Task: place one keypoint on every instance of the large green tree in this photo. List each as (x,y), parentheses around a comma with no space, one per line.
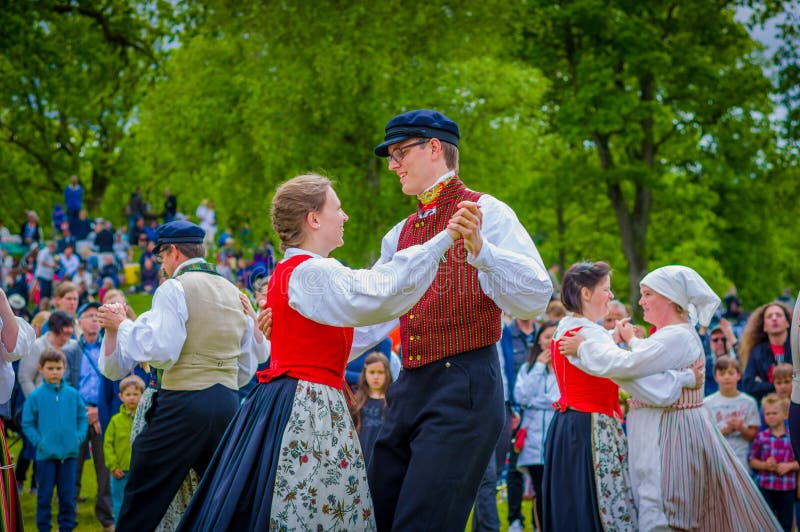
(71,75)
(651,88)
(261,92)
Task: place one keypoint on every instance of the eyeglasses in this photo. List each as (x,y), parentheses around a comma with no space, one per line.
(400,153)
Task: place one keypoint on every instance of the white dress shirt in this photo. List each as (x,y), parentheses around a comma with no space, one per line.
(324,290)
(157,336)
(25,338)
(510,270)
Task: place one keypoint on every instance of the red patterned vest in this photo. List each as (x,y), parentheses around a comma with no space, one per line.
(301,348)
(454,315)
(581,391)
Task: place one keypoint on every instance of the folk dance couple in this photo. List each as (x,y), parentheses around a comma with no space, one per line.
(677,469)
(290,458)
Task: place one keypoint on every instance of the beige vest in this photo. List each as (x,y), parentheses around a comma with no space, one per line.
(214,333)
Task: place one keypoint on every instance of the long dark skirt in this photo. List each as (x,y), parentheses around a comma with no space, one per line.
(236,490)
(586,484)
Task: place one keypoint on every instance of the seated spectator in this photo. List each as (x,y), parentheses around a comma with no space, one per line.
(150,230)
(30,232)
(105,287)
(122,250)
(734,314)
(148,254)
(68,263)
(103,237)
(82,227)
(148,280)
(59,217)
(138,233)
(5,234)
(243,274)
(110,270)
(228,251)
(66,239)
(91,260)
(224,270)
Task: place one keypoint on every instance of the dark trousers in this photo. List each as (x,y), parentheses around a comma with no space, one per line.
(58,474)
(440,429)
(183,431)
(515,485)
(537,473)
(782,505)
(45,287)
(102,506)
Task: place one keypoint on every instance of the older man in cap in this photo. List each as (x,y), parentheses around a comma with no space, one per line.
(200,332)
(446,410)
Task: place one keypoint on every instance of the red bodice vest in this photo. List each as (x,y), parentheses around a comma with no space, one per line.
(581,391)
(302,348)
(454,315)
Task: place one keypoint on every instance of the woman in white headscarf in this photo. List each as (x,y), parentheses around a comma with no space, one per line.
(683,473)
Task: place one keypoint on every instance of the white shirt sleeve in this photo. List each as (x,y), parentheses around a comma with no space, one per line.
(25,338)
(6,381)
(661,389)
(661,352)
(253,352)
(369,336)
(327,292)
(510,269)
(156,336)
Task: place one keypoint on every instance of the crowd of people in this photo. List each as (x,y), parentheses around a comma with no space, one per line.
(393,398)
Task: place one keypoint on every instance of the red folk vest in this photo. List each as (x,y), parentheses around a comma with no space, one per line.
(302,348)
(454,315)
(581,391)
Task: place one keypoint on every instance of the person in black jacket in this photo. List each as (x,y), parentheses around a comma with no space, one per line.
(765,343)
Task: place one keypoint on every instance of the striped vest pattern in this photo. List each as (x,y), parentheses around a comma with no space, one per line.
(454,315)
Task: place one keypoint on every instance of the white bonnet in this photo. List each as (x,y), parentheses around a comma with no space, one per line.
(685,287)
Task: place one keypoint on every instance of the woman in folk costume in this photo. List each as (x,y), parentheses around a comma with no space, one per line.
(680,464)
(585,451)
(291,459)
(16,339)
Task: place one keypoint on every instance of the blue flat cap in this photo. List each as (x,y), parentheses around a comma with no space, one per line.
(421,123)
(86,306)
(178,232)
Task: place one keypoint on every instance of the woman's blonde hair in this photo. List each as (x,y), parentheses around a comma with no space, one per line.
(292,202)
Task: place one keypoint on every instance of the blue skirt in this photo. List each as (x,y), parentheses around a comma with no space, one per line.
(236,490)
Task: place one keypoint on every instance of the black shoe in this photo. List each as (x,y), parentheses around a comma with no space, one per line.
(81,499)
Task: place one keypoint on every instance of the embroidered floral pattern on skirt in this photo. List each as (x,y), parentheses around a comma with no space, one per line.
(614,495)
(321,479)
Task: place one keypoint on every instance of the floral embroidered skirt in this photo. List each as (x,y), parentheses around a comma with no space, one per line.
(290,460)
(586,484)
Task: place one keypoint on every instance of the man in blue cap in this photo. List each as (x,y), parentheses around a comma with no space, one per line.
(200,332)
(446,411)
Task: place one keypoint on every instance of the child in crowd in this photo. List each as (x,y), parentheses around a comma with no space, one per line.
(735,413)
(370,402)
(117,440)
(782,379)
(535,390)
(54,420)
(772,458)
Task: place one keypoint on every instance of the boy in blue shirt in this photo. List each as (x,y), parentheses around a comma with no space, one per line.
(54,420)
